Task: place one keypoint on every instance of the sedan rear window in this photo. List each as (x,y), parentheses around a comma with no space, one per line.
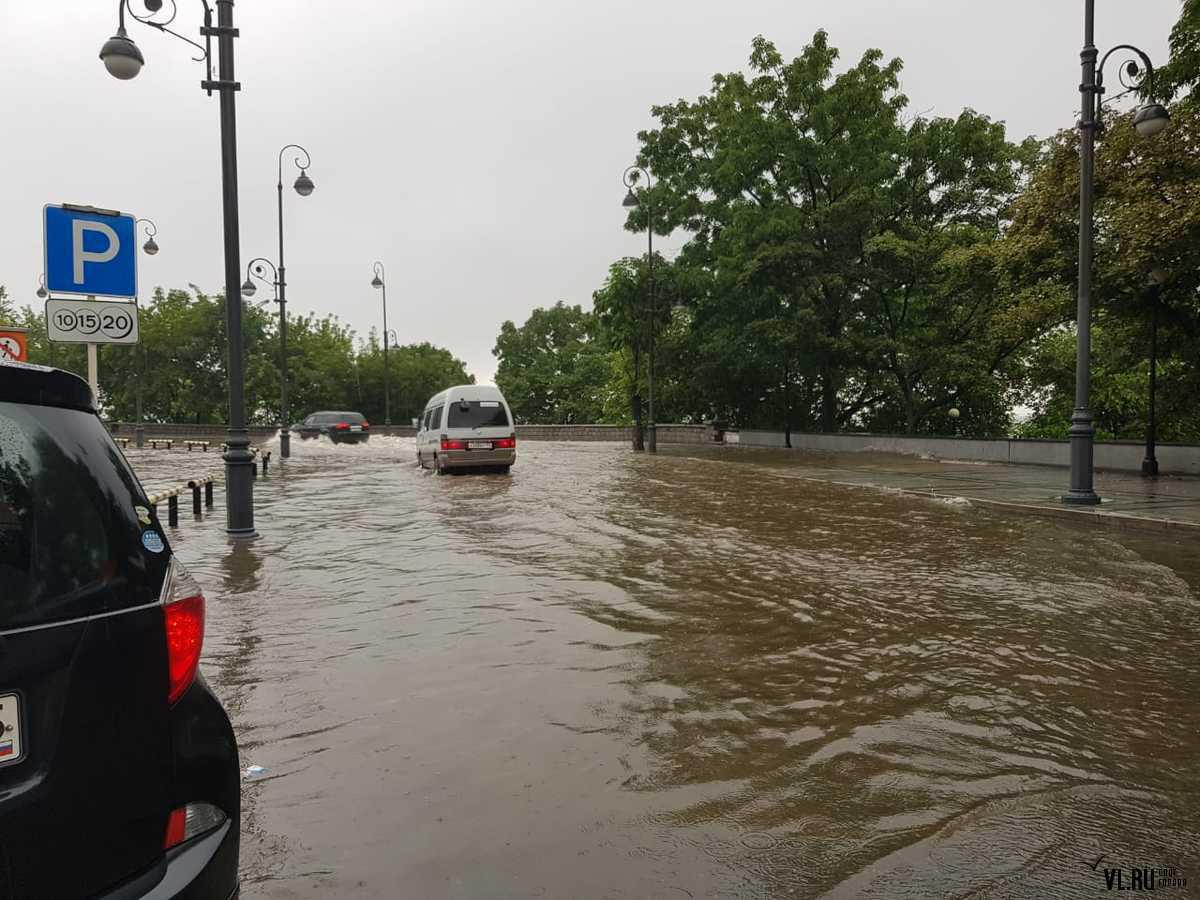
(70,539)
(332,418)
(478,414)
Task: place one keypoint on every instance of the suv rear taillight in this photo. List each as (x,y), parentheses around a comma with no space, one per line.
(183,618)
(508,443)
(191,821)
(452,444)
(342,426)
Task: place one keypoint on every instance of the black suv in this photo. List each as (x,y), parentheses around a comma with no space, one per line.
(119,770)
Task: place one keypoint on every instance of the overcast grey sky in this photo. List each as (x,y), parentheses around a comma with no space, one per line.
(476,148)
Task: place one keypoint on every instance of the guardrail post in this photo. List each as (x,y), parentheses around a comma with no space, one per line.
(208,493)
(196,499)
(173,510)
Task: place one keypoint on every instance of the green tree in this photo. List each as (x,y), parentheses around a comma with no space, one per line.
(554,369)
(845,263)
(417,372)
(1181,74)
(180,365)
(1147,218)
(779,176)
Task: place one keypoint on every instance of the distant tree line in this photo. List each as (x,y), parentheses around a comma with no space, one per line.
(851,266)
(181,362)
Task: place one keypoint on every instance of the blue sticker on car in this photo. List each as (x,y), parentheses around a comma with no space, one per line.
(153,541)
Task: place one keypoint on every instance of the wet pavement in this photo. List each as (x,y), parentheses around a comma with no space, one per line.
(700,674)
(1127,499)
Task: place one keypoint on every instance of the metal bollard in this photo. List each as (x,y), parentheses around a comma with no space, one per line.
(196,499)
(208,493)
(173,510)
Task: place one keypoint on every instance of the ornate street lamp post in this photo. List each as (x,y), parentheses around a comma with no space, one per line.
(124,60)
(257,268)
(1149,120)
(1154,288)
(380,283)
(303,186)
(139,430)
(632,201)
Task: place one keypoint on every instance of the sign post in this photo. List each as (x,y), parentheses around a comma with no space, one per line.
(93,252)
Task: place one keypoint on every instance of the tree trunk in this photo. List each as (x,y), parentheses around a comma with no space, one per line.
(828,400)
(910,407)
(787,409)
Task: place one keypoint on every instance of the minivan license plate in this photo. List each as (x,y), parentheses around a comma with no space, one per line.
(11,746)
(356,428)
(479,445)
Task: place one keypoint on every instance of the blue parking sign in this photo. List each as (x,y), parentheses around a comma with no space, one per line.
(90,251)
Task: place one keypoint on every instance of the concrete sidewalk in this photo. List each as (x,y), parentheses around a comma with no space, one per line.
(1129,501)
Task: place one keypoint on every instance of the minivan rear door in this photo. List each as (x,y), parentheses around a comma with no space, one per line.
(83,669)
(478,422)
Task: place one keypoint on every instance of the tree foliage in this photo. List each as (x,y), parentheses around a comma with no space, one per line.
(180,365)
(554,368)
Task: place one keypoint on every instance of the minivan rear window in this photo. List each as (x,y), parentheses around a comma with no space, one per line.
(478,414)
(70,538)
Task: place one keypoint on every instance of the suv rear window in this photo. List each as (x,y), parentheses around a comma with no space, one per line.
(70,539)
(478,414)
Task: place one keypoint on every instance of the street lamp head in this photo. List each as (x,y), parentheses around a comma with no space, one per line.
(248,288)
(376,282)
(304,185)
(631,199)
(1151,119)
(151,246)
(121,56)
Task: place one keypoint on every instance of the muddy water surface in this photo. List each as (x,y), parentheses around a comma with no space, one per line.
(691,675)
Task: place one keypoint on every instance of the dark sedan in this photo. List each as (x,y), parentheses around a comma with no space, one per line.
(339,427)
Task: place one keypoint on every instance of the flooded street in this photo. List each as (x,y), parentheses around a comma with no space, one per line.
(696,675)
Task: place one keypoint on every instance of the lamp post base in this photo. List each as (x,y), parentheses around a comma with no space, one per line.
(285,442)
(1080,492)
(651,438)
(1149,467)
(239,485)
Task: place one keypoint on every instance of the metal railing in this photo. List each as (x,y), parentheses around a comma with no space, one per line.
(171,496)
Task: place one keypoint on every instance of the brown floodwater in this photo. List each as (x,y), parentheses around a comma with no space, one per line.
(691,675)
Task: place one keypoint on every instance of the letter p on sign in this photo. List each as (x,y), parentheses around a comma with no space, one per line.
(80,255)
(90,251)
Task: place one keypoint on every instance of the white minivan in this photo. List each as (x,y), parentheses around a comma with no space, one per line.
(468,426)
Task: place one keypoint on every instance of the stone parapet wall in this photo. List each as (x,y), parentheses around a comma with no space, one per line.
(1117,456)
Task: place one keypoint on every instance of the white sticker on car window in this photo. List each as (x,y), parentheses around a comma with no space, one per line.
(489,402)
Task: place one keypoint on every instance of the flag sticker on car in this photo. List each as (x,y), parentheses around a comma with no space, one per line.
(10,729)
